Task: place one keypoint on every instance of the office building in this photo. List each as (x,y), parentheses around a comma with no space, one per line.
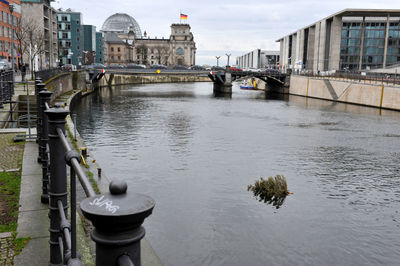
(350,40)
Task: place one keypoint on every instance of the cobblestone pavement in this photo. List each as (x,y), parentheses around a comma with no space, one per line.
(10,153)
(6,253)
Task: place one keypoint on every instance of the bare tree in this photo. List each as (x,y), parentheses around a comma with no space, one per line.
(31,40)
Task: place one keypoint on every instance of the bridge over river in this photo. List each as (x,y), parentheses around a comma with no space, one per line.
(222,79)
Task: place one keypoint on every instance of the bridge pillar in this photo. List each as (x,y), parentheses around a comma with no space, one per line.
(226,86)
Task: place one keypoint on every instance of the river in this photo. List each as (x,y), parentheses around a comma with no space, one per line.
(195,154)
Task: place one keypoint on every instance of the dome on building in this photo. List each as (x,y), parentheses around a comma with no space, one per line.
(121,23)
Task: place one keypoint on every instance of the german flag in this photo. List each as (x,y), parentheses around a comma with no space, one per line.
(183,16)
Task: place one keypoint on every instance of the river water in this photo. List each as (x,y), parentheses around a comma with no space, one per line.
(195,154)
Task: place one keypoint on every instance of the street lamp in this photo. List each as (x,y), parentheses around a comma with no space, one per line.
(218,57)
(11,9)
(228,55)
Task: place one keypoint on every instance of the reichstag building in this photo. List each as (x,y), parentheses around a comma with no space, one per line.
(125,43)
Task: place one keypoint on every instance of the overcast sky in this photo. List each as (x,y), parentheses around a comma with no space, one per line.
(221,26)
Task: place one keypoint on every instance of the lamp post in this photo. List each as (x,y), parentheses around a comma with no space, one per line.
(218,57)
(228,55)
(11,9)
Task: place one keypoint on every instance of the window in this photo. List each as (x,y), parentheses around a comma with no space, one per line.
(77,30)
(112,57)
(179,51)
(119,49)
(119,57)
(112,49)
(77,47)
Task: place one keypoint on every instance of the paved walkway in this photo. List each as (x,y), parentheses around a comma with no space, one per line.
(33,221)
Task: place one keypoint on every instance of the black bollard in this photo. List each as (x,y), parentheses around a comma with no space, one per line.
(117,217)
(40,113)
(58,181)
(45,97)
(2,89)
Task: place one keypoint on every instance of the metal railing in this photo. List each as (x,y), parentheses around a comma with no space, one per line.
(49,73)
(117,215)
(6,86)
(359,76)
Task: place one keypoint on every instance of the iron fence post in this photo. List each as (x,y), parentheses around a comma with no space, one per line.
(37,81)
(2,88)
(39,87)
(45,97)
(58,181)
(117,217)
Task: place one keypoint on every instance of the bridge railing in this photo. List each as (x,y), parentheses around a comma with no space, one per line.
(360,76)
(116,215)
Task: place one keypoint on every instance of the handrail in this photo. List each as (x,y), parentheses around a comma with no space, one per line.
(55,153)
(76,165)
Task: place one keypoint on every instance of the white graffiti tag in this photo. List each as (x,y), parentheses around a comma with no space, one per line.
(105,202)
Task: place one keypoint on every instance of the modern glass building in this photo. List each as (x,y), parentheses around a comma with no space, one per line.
(352,39)
(99,48)
(70,37)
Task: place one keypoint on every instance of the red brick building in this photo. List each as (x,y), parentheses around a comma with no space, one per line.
(8,26)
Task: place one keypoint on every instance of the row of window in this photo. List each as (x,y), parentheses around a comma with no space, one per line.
(6,46)
(370,33)
(179,51)
(367,42)
(6,32)
(8,18)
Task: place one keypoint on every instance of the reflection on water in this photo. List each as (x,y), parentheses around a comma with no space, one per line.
(195,154)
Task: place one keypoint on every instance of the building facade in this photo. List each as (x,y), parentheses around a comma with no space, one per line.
(99,48)
(126,44)
(352,39)
(44,17)
(259,59)
(70,37)
(8,27)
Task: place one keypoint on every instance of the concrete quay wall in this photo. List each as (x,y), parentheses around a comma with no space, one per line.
(386,96)
(125,79)
(66,82)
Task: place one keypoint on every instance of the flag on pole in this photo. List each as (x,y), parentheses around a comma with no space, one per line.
(183,16)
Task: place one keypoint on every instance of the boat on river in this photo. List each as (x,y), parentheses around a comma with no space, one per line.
(246,85)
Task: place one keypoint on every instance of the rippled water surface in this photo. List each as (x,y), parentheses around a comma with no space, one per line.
(195,154)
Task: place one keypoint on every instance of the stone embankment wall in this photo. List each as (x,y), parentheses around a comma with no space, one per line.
(373,94)
(66,82)
(125,79)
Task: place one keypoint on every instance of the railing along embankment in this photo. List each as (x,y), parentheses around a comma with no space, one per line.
(117,215)
(375,91)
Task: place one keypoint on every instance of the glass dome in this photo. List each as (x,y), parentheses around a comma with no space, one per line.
(121,23)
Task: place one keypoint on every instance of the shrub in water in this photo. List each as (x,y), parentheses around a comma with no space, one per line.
(272,190)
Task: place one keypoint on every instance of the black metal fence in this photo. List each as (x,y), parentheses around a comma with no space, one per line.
(6,86)
(360,76)
(49,73)
(117,216)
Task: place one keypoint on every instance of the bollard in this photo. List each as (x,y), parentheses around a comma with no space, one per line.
(99,172)
(58,181)
(40,113)
(45,97)
(117,217)
(37,81)
(2,88)
(84,152)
